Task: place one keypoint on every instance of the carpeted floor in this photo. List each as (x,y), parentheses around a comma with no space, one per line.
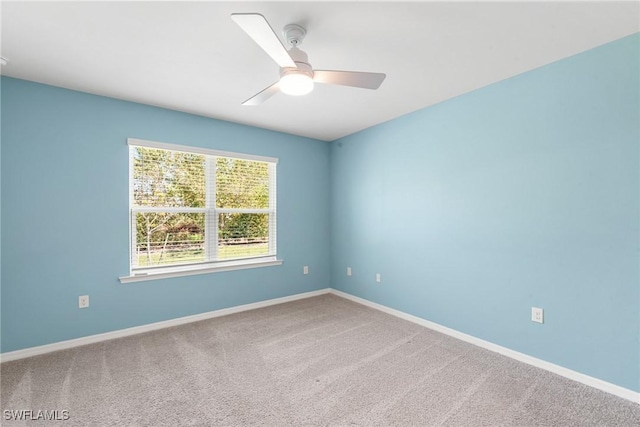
(322,361)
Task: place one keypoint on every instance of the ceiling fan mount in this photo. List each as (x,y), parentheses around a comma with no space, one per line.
(294,34)
(297,77)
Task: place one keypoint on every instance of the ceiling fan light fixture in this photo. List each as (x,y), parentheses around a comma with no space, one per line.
(296,83)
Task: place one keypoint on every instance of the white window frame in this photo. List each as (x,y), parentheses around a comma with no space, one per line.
(137,274)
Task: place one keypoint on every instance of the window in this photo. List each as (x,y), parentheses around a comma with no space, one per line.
(193,209)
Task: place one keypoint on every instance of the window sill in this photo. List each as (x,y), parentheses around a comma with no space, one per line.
(200,269)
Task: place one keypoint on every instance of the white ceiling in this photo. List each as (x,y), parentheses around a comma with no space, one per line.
(190,56)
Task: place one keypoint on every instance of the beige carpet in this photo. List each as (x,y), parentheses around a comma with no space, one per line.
(323,361)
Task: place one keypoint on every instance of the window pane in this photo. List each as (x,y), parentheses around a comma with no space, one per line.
(163,178)
(169,238)
(242,184)
(243,235)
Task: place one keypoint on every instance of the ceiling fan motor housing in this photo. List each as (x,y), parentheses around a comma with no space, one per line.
(302,63)
(294,34)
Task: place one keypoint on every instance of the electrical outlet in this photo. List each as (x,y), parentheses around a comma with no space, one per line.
(537,315)
(378,277)
(305,269)
(83,301)
(348,271)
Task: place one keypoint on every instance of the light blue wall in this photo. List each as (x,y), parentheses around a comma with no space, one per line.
(65,224)
(523,193)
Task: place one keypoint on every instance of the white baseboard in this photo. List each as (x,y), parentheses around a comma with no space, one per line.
(63,345)
(539,363)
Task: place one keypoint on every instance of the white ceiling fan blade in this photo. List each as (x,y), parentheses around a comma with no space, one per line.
(257,27)
(260,97)
(349,78)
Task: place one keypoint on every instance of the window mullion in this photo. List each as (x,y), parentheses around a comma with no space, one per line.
(173,209)
(242,210)
(211,217)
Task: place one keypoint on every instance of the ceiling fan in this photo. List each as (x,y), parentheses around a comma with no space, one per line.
(297,77)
